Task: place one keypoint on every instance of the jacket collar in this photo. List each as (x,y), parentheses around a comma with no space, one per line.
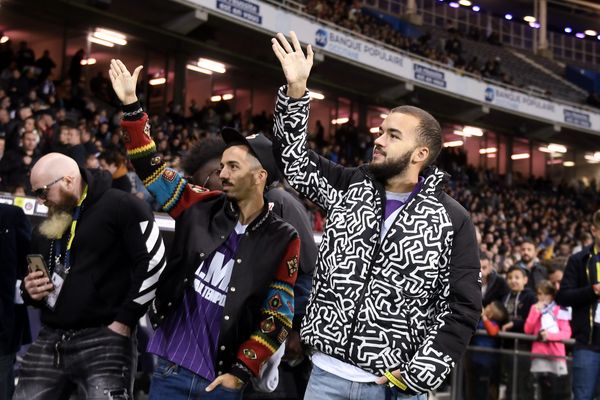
(233,211)
(434,180)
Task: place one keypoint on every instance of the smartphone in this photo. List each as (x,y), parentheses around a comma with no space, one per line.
(36,262)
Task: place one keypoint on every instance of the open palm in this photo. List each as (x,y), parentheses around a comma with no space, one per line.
(296,66)
(123,82)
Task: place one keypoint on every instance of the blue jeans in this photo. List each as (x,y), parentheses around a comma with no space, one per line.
(172,382)
(586,374)
(325,386)
(7,376)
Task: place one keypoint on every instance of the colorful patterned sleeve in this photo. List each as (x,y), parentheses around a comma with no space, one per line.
(170,189)
(277,314)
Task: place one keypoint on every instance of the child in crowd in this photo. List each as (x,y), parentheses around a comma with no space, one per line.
(484,369)
(548,322)
(518,302)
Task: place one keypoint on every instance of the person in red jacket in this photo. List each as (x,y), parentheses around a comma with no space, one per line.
(551,325)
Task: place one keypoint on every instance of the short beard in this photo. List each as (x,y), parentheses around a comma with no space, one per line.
(56,224)
(388,169)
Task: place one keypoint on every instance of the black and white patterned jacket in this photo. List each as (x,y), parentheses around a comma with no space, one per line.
(409,302)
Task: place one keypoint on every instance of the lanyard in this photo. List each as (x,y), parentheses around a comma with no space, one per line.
(76,215)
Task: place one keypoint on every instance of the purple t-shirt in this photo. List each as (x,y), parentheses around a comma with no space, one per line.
(190,334)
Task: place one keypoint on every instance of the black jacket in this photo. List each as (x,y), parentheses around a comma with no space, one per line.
(116,258)
(266,261)
(497,289)
(518,316)
(15,236)
(410,301)
(576,292)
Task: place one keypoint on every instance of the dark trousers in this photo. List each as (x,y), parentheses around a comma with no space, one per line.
(95,363)
(7,377)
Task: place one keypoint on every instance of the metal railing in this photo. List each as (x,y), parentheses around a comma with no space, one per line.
(514,353)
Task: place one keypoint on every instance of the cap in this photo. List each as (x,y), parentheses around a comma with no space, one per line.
(259,145)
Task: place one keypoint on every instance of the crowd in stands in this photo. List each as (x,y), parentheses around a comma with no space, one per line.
(447,50)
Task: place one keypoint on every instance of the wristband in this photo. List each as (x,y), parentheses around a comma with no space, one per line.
(395,381)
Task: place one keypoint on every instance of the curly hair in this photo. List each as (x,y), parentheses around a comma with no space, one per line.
(201,152)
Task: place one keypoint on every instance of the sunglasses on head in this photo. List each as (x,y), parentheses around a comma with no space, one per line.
(42,192)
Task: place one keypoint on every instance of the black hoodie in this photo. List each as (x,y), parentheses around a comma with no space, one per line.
(116,258)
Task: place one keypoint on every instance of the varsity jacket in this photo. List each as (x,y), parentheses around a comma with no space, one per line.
(576,291)
(116,258)
(410,302)
(259,307)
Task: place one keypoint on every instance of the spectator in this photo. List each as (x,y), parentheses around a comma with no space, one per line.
(545,321)
(536,272)
(493,286)
(45,66)
(483,368)
(518,303)
(15,236)
(76,149)
(580,289)
(15,166)
(115,163)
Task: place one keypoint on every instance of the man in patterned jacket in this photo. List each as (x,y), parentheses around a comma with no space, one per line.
(396,295)
(225,302)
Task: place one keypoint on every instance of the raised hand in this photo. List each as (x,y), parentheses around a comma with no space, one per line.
(296,66)
(123,82)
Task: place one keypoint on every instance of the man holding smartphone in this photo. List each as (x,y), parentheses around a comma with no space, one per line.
(104,255)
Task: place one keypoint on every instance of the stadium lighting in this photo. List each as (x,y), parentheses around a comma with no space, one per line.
(374,129)
(110,36)
(591,158)
(476,8)
(454,4)
(157,81)
(88,61)
(508,17)
(383,115)
(100,41)
(554,162)
(216,98)
(465,3)
(473,131)
(568,29)
(4,39)
(535,25)
(568,164)
(340,121)
(580,35)
(212,65)
(454,143)
(529,18)
(598,37)
(557,148)
(590,32)
(492,155)
(193,67)
(489,150)
(227,96)
(316,95)
(520,156)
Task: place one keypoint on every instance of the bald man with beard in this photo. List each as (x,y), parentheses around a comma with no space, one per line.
(104,254)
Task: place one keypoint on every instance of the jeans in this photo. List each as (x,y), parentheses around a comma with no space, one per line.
(325,386)
(586,374)
(95,363)
(172,382)
(7,376)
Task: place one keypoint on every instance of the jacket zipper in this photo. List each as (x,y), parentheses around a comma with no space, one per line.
(371,266)
(380,241)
